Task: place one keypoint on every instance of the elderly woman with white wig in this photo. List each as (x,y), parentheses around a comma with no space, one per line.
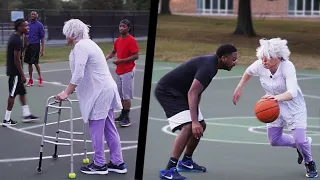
(97,96)
(277,75)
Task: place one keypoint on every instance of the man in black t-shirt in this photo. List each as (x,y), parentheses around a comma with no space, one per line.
(15,73)
(179,93)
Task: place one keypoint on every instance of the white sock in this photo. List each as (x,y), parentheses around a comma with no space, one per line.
(25,110)
(7,117)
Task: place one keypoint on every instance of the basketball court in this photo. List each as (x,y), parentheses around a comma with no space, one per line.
(235,144)
(20,144)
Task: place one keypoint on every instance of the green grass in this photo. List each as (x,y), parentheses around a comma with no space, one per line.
(56,54)
(182,37)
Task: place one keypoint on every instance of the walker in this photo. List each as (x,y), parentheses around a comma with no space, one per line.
(51,103)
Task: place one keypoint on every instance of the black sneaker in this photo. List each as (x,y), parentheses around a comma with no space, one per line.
(118,119)
(94,169)
(311,169)
(30,118)
(300,157)
(190,166)
(125,122)
(9,123)
(121,169)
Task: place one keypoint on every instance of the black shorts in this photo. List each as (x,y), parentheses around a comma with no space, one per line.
(16,86)
(32,54)
(174,103)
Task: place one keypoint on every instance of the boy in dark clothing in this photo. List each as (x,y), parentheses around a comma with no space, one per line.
(15,73)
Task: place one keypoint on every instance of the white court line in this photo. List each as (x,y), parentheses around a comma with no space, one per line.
(309,78)
(161,68)
(155,68)
(40,125)
(303,74)
(62,155)
(38,135)
(52,83)
(59,70)
(52,137)
(166,129)
(311,96)
(230,118)
(235,77)
(252,130)
(52,70)
(228,125)
(66,120)
(215,78)
(63,85)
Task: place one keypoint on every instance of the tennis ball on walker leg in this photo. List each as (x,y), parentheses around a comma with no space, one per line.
(72,175)
(85,161)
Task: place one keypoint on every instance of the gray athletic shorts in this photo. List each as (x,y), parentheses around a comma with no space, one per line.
(125,83)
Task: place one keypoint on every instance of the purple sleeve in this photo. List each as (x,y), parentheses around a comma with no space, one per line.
(42,32)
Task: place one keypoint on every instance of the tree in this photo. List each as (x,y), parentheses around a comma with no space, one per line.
(70,5)
(244,24)
(102,4)
(141,4)
(165,7)
(40,4)
(4,4)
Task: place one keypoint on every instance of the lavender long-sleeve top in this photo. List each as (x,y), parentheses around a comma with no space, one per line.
(96,89)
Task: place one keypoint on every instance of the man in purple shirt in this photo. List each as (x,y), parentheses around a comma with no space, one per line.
(33,38)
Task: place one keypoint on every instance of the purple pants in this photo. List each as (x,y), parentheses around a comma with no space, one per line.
(105,128)
(297,140)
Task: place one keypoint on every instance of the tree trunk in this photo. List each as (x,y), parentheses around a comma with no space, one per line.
(165,7)
(5,6)
(244,24)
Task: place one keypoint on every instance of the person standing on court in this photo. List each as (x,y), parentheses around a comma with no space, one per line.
(179,93)
(34,50)
(277,75)
(98,97)
(126,48)
(16,75)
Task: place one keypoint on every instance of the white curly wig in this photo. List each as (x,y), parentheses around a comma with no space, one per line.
(76,29)
(273,48)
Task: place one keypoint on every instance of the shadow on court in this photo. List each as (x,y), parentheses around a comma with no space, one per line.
(20,145)
(235,144)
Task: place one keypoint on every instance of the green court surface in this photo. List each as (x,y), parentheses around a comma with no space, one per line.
(235,144)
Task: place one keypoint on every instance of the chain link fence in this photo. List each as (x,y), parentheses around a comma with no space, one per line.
(104,24)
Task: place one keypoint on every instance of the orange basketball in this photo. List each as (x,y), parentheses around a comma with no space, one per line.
(267,110)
